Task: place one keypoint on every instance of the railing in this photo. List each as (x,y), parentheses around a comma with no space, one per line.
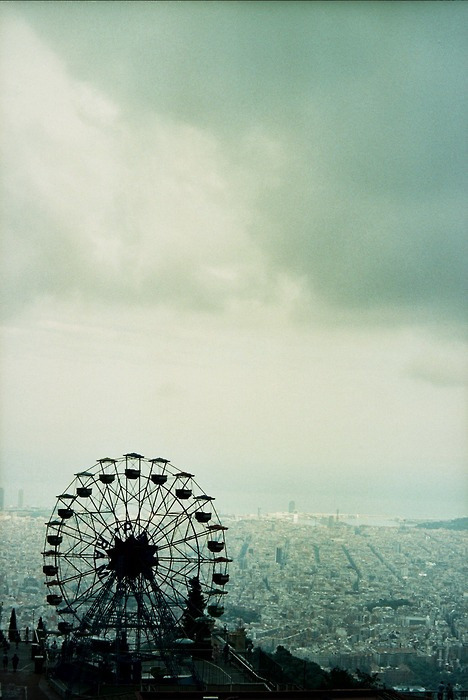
(211,674)
(244,665)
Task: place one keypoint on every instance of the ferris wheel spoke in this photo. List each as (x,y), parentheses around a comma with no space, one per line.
(97,512)
(177,567)
(99,507)
(76,563)
(85,595)
(191,508)
(71,566)
(188,543)
(169,501)
(163,609)
(119,494)
(94,617)
(177,586)
(186,569)
(84,589)
(181,554)
(140,496)
(79,536)
(74,548)
(176,540)
(158,513)
(110,496)
(188,554)
(143,611)
(179,560)
(160,501)
(78,576)
(93,523)
(177,578)
(172,596)
(125,498)
(173,529)
(76,555)
(177,556)
(167,528)
(143,499)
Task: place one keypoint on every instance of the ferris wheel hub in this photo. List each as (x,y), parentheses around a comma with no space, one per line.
(132,557)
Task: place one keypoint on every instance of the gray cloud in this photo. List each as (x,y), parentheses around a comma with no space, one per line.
(364,252)
(346,122)
(448,370)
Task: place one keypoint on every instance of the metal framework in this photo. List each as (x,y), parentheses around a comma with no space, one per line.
(122,545)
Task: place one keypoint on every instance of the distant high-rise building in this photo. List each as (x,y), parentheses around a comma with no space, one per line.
(2,499)
(20,498)
(279,556)
(292,507)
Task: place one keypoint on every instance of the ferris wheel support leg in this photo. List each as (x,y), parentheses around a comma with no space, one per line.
(95,618)
(162,625)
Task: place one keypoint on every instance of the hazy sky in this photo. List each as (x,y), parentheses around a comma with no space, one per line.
(234,235)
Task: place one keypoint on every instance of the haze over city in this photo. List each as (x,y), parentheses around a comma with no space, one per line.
(234,235)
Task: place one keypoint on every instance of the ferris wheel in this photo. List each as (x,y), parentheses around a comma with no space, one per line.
(125,543)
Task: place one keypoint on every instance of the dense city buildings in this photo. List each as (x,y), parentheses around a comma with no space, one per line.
(385,599)
(382,599)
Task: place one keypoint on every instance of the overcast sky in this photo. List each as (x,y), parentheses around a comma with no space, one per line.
(234,235)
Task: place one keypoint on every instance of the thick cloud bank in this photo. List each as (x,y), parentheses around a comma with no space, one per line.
(235,233)
(202,154)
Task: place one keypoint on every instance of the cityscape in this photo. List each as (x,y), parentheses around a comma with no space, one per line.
(385,599)
(340,590)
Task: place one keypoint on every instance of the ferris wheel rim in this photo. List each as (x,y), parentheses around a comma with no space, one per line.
(130,495)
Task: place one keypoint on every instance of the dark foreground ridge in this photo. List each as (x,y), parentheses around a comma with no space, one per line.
(271,695)
(31,682)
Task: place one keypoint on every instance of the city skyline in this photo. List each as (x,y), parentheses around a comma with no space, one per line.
(235,234)
(388,600)
(15,503)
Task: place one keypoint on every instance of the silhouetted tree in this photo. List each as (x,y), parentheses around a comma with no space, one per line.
(340,678)
(307,674)
(300,672)
(194,622)
(195,607)
(13,627)
(367,680)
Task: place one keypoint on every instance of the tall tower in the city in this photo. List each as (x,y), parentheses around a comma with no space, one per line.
(279,556)
(20,498)
(2,499)
(292,507)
